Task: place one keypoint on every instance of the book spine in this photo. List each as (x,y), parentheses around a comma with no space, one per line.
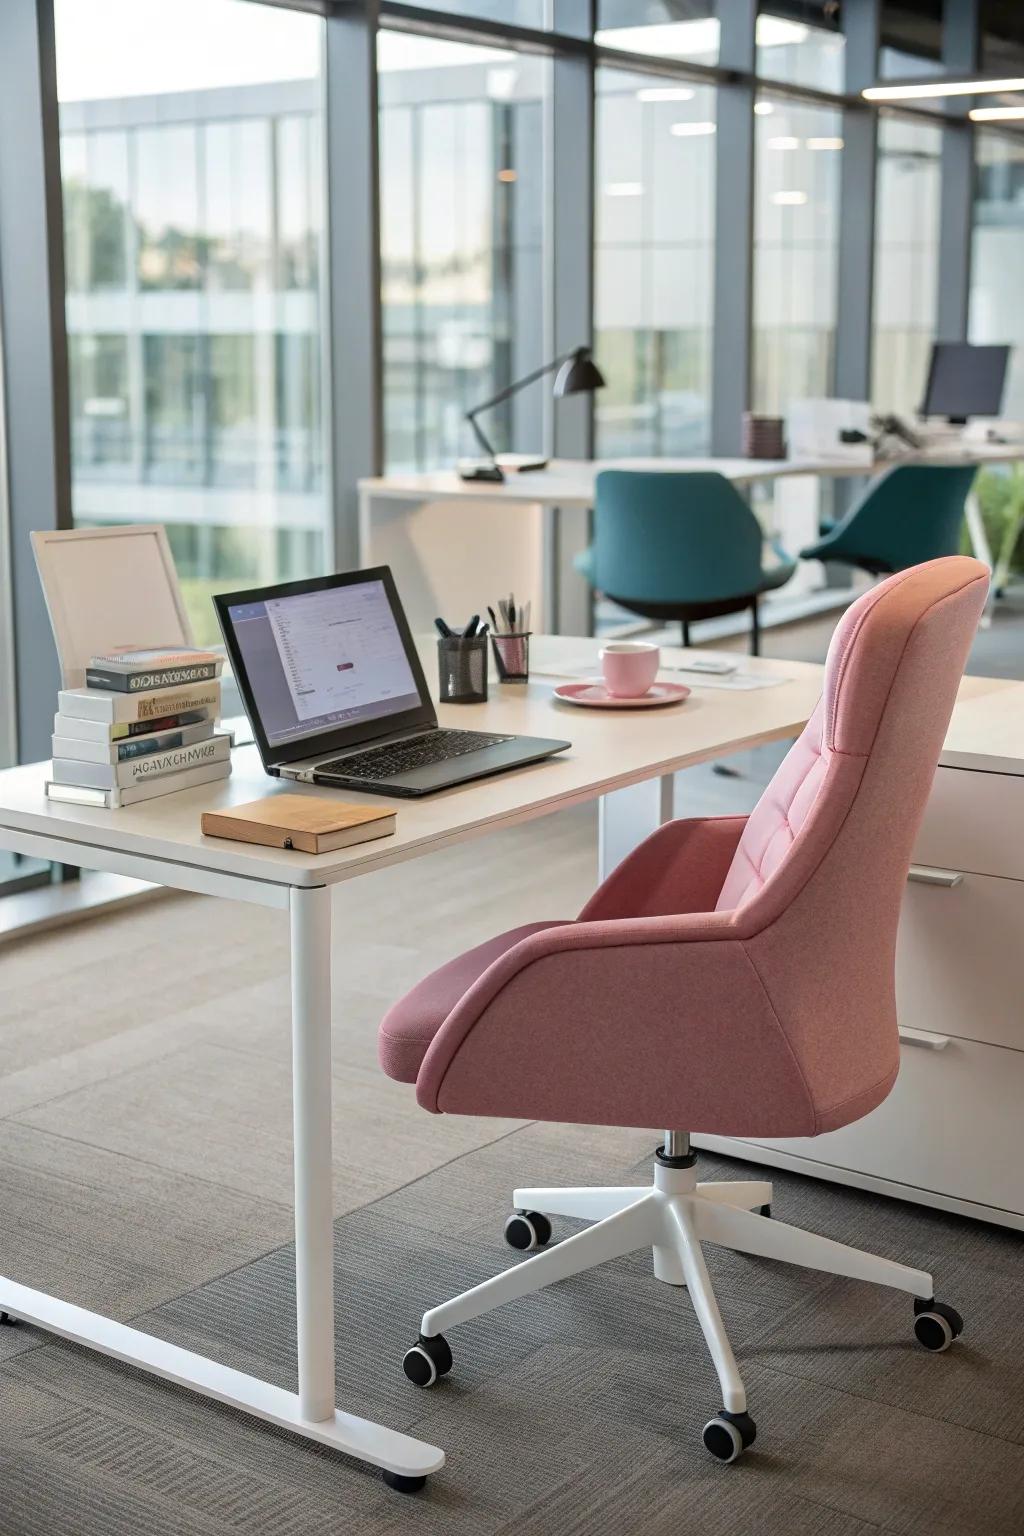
(163,741)
(115,708)
(155,765)
(144,681)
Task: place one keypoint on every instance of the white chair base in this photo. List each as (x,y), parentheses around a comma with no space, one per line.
(672,1217)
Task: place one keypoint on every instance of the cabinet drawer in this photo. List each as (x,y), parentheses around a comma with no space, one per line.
(953,1123)
(960,957)
(974,821)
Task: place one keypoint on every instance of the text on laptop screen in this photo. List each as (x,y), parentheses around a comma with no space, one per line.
(319,660)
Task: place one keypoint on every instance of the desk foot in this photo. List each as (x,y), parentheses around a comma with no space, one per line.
(398,1455)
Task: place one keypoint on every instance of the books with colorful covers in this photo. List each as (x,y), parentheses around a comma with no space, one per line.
(309,823)
(105,750)
(112,799)
(115,708)
(138,770)
(69,726)
(142,670)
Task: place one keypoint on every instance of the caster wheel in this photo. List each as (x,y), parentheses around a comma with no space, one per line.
(936,1325)
(764,1210)
(403,1484)
(7,1321)
(428,1360)
(527,1230)
(728,1435)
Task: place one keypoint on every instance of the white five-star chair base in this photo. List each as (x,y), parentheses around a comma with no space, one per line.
(673,1217)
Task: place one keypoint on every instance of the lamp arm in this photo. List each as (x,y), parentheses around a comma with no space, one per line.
(514,388)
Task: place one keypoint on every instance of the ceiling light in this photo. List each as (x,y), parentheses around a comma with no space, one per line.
(691,130)
(777,32)
(789,199)
(996,114)
(825,143)
(925,89)
(624,189)
(665,93)
(665,39)
(508,175)
(784,141)
(763,108)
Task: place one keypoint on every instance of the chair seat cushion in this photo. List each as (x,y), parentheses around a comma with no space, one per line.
(409,1027)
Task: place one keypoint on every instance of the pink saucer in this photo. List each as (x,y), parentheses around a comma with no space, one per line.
(594,695)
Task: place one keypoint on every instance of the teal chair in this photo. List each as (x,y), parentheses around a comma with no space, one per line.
(678,546)
(912,513)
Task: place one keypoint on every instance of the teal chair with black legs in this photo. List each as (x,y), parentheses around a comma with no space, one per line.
(910,514)
(678,546)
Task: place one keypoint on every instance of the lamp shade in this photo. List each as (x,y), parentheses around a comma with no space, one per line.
(579,374)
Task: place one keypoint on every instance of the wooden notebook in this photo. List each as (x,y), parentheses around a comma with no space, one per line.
(304,822)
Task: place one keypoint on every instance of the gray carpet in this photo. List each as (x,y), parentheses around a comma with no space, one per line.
(576,1411)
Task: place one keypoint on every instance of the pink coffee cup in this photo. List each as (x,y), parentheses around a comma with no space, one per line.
(629,667)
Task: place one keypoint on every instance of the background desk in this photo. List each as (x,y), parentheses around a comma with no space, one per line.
(452,545)
(160,841)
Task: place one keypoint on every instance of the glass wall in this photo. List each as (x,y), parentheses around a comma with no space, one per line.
(654,238)
(906,262)
(997,257)
(796,221)
(464,269)
(668,29)
(193,213)
(801,43)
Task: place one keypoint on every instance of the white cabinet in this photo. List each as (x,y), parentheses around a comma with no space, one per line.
(951,1133)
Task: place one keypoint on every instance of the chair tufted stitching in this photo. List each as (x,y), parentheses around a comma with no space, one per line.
(777,820)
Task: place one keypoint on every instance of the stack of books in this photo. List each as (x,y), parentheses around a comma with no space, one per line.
(144,725)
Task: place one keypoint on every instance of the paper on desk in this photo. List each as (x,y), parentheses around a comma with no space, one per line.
(733,682)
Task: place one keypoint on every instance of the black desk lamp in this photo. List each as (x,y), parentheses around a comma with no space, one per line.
(577,374)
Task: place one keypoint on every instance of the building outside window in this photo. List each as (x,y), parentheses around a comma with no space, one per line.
(654,239)
(906,262)
(796,217)
(997,257)
(193,211)
(463,258)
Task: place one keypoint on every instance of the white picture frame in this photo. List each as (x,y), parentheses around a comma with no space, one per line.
(108,588)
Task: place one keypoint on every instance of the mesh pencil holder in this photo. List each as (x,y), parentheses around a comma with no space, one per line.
(462,669)
(512,656)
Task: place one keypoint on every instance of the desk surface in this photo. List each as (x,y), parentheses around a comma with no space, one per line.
(610,750)
(570,482)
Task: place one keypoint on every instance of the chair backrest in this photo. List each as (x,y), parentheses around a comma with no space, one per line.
(817,880)
(910,514)
(673,537)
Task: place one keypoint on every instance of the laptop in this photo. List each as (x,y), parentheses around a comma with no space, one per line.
(335,693)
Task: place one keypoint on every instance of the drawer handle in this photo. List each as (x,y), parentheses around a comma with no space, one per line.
(949,879)
(923,1038)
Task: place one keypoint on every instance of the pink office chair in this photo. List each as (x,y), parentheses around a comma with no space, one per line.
(734,976)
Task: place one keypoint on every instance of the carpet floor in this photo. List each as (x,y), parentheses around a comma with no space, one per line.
(577,1411)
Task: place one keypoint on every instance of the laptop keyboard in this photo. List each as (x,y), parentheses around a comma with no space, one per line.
(385,762)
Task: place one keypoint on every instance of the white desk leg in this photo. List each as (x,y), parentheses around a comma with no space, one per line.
(981,549)
(311,1413)
(311,1109)
(627,816)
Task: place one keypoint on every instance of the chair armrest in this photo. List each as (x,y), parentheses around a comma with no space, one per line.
(680,868)
(657,1021)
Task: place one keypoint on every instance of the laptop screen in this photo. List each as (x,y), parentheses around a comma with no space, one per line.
(318,661)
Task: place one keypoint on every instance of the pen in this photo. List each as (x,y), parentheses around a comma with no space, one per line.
(494,622)
(471,627)
(442,629)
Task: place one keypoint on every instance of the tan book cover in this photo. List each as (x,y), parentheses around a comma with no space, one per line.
(305,822)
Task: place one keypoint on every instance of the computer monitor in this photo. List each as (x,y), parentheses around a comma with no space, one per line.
(965,380)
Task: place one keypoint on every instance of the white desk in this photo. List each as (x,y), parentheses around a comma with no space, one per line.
(450,546)
(160,841)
